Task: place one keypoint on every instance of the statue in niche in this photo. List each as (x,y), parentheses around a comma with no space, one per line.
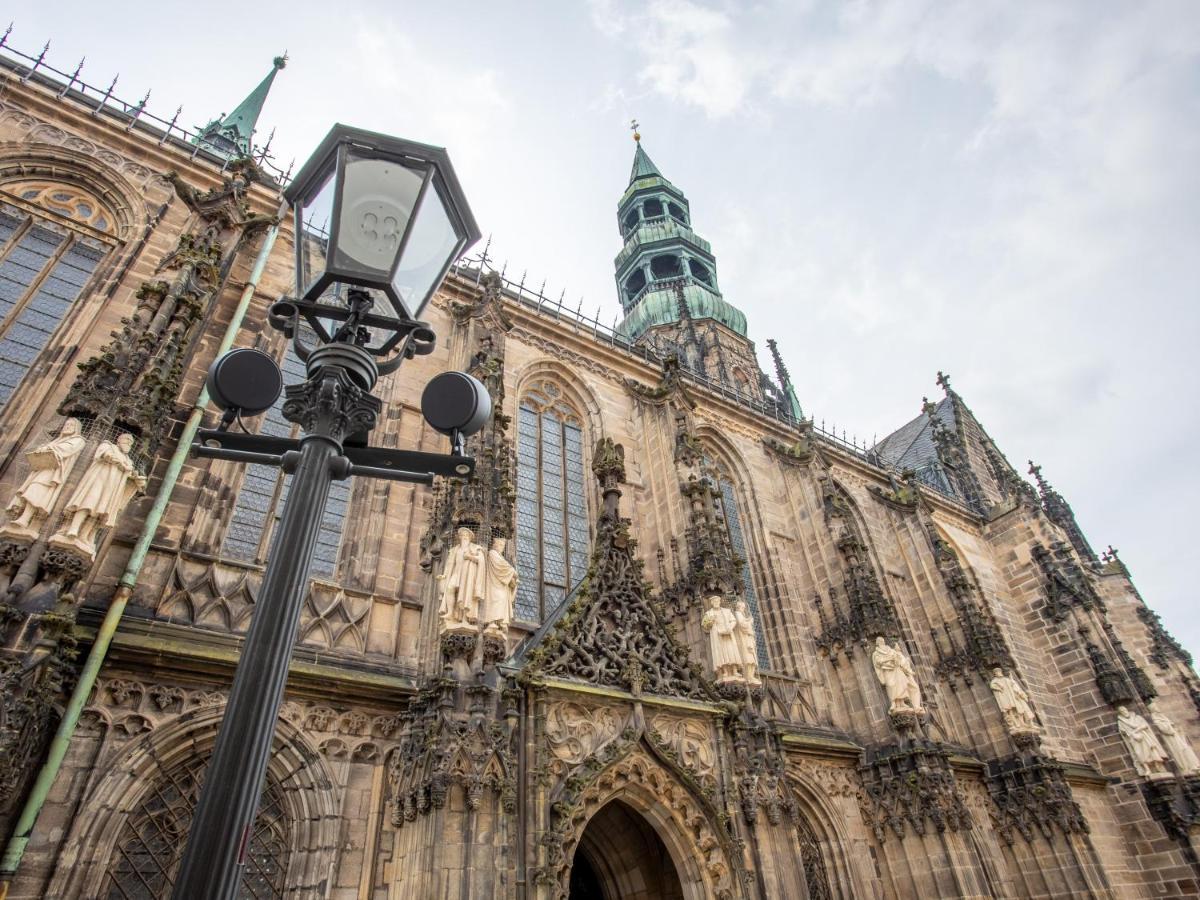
(106,488)
(1175,743)
(49,466)
(1014,703)
(501,591)
(747,644)
(721,627)
(1149,757)
(895,672)
(462,584)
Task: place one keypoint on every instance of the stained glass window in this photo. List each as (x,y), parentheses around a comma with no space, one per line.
(553,534)
(264,488)
(737,540)
(151,843)
(44,268)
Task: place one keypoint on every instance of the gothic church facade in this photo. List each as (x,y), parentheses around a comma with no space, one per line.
(744,658)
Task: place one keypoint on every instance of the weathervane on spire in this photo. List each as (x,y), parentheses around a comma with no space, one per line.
(634,126)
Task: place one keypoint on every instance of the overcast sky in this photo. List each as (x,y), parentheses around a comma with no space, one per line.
(1006,191)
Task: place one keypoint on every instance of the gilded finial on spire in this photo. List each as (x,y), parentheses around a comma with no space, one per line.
(634,126)
(281,62)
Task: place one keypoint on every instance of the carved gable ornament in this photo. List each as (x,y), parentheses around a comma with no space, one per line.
(613,633)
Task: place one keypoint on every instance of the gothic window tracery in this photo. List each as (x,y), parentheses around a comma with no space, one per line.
(150,846)
(730,509)
(553,531)
(53,237)
(264,489)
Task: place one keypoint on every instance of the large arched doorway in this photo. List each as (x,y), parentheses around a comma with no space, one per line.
(621,857)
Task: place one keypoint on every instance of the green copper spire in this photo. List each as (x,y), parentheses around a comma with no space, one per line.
(665,272)
(232,135)
(643,166)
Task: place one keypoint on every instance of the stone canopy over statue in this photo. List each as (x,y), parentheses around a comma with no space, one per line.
(1149,757)
(1014,704)
(106,488)
(895,672)
(49,465)
(462,584)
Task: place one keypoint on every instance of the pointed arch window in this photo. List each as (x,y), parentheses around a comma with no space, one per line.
(737,540)
(552,521)
(264,489)
(150,847)
(53,237)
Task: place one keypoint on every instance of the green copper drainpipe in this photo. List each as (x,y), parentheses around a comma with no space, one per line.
(116,608)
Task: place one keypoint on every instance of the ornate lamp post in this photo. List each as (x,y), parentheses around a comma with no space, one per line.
(377,219)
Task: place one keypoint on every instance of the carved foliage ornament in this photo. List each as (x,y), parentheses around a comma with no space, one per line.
(911,787)
(614,633)
(1031,796)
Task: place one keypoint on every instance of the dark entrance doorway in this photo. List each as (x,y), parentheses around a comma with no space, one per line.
(621,857)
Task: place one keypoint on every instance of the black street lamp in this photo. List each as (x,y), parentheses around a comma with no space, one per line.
(376,218)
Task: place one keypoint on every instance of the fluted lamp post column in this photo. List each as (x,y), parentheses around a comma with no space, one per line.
(378,221)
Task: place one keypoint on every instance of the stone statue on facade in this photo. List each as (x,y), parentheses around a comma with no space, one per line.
(895,672)
(1149,757)
(1175,743)
(1014,704)
(721,626)
(500,590)
(747,643)
(106,488)
(462,584)
(49,466)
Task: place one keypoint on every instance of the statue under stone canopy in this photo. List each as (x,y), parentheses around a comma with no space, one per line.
(721,625)
(1149,757)
(1014,704)
(747,645)
(462,584)
(895,672)
(1175,743)
(500,590)
(49,466)
(106,488)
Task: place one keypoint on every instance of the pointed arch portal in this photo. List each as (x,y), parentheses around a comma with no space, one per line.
(621,857)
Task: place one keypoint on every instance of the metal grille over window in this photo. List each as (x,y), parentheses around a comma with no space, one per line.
(553,534)
(43,270)
(263,492)
(151,843)
(736,538)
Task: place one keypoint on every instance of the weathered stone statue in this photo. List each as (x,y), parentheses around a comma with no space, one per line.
(1149,757)
(501,590)
(49,466)
(1176,744)
(1014,704)
(895,672)
(462,584)
(721,626)
(104,491)
(747,645)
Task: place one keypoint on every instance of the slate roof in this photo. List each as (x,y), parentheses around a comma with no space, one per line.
(911,446)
